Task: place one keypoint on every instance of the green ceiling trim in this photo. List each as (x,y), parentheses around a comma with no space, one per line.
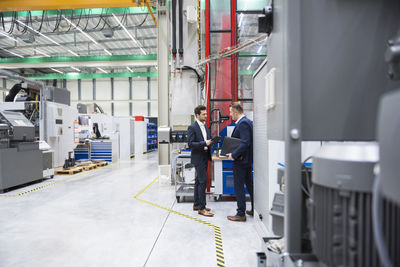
(77,59)
(252,54)
(76,76)
(92,11)
(247,72)
(251,5)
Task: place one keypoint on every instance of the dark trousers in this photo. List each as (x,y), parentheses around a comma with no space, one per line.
(242,176)
(200,185)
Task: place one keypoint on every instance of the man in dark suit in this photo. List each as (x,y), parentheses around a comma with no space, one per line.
(242,161)
(199,141)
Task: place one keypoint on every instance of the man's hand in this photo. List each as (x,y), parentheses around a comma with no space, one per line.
(230,156)
(208,142)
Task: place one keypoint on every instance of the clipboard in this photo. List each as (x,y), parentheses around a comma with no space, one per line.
(215,140)
(229,145)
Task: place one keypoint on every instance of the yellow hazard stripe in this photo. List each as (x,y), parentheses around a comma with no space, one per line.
(217,230)
(56,182)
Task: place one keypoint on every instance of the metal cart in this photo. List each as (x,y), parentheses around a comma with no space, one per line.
(183,188)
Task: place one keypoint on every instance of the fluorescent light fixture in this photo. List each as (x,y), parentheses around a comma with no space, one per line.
(56,70)
(40,52)
(102,70)
(48,38)
(129,69)
(240,19)
(248,67)
(41,34)
(87,35)
(75,68)
(72,52)
(133,38)
(79,29)
(8,36)
(12,53)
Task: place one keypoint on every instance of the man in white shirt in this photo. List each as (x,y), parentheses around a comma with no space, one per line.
(199,141)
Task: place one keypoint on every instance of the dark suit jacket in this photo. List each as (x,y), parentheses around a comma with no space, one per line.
(243,155)
(196,143)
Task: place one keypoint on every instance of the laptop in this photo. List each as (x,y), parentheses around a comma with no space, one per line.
(229,145)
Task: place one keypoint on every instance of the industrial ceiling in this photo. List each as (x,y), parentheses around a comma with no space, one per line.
(103,41)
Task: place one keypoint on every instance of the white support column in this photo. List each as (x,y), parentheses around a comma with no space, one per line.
(163,79)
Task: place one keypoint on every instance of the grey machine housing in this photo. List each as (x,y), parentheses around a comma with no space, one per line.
(329,76)
(340,218)
(20,157)
(389,143)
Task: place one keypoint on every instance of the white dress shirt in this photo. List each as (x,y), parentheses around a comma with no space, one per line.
(237,122)
(203,131)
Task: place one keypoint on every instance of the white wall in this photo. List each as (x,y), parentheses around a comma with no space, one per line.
(72,86)
(121,89)
(87,89)
(121,95)
(103,89)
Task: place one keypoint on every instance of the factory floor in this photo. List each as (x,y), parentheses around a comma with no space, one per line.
(94,219)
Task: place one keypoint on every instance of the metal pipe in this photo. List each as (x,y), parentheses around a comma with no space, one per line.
(173,29)
(17,77)
(180,51)
(232,50)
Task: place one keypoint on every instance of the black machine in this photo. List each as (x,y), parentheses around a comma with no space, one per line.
(96,130)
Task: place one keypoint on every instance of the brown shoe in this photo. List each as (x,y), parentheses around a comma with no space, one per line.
(250,212)
(237,218)
(205,213)
(197,208)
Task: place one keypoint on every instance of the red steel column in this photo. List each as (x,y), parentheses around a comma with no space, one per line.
(234,56)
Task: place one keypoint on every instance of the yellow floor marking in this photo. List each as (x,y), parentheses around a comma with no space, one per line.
(217,230)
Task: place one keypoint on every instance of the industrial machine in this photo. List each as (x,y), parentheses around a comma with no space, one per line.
(315,90)
(340,204)
(48,159)
(20,157)
(59,122)
(386,198)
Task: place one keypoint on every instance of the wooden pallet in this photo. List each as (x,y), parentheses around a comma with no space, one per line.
(89,167)
(101,163)
(68,171)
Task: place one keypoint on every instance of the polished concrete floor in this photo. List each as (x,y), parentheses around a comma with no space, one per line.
(93,219)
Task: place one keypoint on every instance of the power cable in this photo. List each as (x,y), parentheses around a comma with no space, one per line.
(100,19)
(87,19)
(58,20)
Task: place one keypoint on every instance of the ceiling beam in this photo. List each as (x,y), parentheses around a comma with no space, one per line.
(69,44)
(87,61)
(100,51)
(75,76)
(90,30)
(21,5)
